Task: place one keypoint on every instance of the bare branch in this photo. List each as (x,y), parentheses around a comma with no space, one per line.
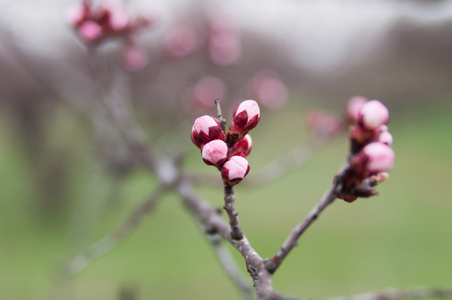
(111,240)
(291,241)
(231,268)
(393,294)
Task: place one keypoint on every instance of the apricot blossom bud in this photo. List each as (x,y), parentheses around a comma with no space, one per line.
(378,157)
(235,169)
(90,31)
(206,129)
(354,107)
(215,153)
(385,137)
(243,146)
(246,116)
(373,114)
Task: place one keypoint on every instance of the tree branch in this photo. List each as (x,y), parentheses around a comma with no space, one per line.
(114,238)
(291,241)
(230,267)
(393,294)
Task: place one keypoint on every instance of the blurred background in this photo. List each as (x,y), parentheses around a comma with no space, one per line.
(67,179)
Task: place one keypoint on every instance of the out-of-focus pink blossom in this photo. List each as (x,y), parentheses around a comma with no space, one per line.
(134,58)
(354,107)
(246,116)
(323,124)
(269,89)
(207,89)
(181,41)
(206,129)
(76,14)
(373,114)
(90,31)
(224,42)
(119,18)
(243,146)
(215,153)
(378,157)
(235,169)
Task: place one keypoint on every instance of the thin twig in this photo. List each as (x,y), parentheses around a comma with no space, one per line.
(220,117)
(229,207)
(231,268)
(291,241)
(393,294)
(111,240)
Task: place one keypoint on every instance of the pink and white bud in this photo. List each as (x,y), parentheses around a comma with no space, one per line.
(215,153)
(385,137)
(246,116)
(90,31)
(243,146)
(76,14)
(134,59)
(378,158)
(119,19)
(354,106)
(206,129)
(373,114)
(235,169)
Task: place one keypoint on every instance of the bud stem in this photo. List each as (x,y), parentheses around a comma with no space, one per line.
(229,200)
(220,115)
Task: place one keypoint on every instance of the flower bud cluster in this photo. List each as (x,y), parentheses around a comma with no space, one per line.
(371,155)
(94,24)
(227,152)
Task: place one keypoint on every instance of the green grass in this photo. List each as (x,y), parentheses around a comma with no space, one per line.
(401,238)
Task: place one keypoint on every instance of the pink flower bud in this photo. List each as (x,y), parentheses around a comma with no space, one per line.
(215,153)
(378,158)
(76,14)
(354,106)
(119,19)
(385,137)
(373,114)
(246,116)
(90,31)
(235,169)
(206,129)
(243,146)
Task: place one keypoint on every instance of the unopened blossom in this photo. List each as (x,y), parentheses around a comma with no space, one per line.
(385,137)
(354,106)
(243,146)
(90,31)
(206,129)
(378,158)
(246,116)
(76,14)
(215,153)
(235,169)
(373,114)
